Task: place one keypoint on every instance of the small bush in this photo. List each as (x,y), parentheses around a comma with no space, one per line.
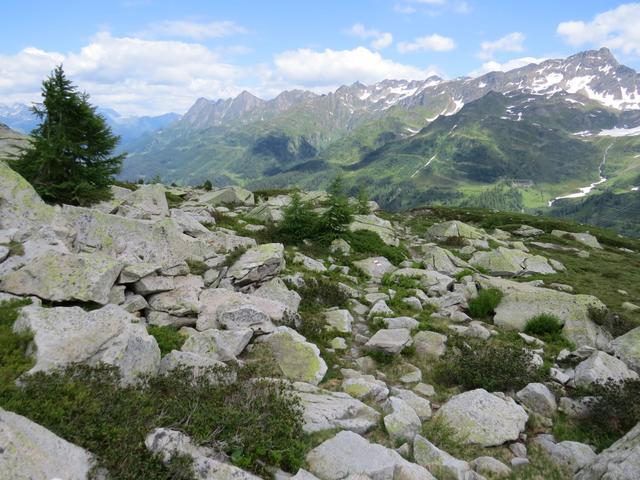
(168,338)
(197,267)
(400,282)
(321,293)
(485,303)
(299,222)
(207,185)
(370,243)
(338,213)
(544,325)
(492,366)
(614,411)
(460,275)
(13,362)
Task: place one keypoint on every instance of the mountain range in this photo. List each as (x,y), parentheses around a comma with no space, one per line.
(539,138)
(20,118)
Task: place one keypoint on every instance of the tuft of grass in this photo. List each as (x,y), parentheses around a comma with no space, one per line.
(485,303)
(168,338)
(13,361)
(463,273)
(369,243)
(197,267)
(173,200)
(546,327)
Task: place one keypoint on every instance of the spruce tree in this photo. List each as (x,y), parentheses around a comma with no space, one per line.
(339,213)
(71,156)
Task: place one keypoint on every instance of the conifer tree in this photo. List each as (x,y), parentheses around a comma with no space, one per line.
(71,156)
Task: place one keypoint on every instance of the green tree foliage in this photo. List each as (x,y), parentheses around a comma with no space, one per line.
(362,206)
(207,185)
(71,158)
(499,197)
(299,222)
(339,213)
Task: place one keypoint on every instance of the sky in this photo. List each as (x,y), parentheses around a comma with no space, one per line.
(147,57)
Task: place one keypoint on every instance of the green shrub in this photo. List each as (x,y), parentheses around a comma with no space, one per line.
(168,338)
(255,422)
(338,213)
(320,293)
(299,222)
(544,325)
(197,267)
(207,185)
(400,282)
(463,273)
(492,366)
(485,303)
(370,243)
(13,362)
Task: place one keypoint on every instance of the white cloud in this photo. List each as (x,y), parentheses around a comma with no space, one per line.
(193,30)
(137,76)
(493,66)
(509,43)
(380,39)
(131,75)
(617,28)
(329,68)
(435,42)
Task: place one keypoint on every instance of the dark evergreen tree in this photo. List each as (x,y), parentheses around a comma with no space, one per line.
(71,157)
(339,213)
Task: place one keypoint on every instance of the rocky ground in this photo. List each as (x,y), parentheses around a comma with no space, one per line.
(372,343)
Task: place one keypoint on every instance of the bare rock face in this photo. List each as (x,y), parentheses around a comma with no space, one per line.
(66,335)
(29,451)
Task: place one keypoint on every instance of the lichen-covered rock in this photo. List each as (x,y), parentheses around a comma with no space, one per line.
(309,263)
(365,387)
(29,451)
(601,367)
(377,225)
(182,300)
(375,267)
(189,224)
(221,345)
(435,282)
(167,443)
(510,262)
(538,398)
(257,264)
(569,455)
(479,417)
(228,196)
(276,290)
(20,206)
(453,228)
(584,238)
(347,453)
(220,306)
(136,241)
(442,260)
(402,423)
(298,359)
(339,320)
(490,467)
(420,405)
(61,277)
(627,348)
(325,410)
(521,302)
(198,364)
(146,202)
(67,335)
(390,341)
(621,461)
(438,462)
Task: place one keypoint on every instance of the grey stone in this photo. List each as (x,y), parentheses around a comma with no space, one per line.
(375,267)
(429,345)
(438,462)
(339,320)
(61,277)
(390,341)
(153,284)
(538,398)
(601,367)
(31,452)
(67,335)
(221,345)
(257,264)
(402,423)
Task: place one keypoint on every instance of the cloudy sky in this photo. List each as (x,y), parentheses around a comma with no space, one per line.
(155,56)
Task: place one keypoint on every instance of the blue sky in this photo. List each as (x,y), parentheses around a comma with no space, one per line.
(154,56)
